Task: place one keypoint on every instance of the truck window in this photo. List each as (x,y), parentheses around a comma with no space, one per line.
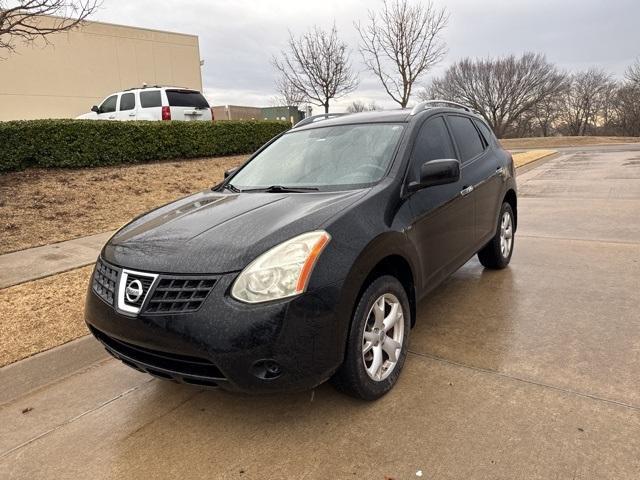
(186,98)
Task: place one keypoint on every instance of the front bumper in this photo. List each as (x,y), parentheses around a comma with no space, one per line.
(293,344)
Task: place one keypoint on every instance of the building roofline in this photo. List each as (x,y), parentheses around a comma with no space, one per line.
(156,30)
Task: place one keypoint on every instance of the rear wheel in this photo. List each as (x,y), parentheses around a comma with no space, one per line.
(377,344)
(497,253)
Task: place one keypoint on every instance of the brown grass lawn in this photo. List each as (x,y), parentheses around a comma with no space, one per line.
(42,314)
(41,206)
(554,142)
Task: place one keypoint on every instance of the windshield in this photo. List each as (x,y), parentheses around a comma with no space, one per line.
(344,156)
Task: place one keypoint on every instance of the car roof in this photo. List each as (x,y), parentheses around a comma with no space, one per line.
(384,116)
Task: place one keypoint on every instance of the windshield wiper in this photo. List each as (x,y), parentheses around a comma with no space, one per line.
(282,189)
(231,187)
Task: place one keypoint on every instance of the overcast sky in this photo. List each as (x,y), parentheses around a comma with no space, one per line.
(238,37)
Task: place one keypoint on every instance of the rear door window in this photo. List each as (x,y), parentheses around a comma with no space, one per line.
(127,102)
(186,98)
(467,137)
(433,143)
(109,105)
(485,131)
(150,99)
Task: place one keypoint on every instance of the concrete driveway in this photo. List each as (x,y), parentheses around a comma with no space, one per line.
(531,372)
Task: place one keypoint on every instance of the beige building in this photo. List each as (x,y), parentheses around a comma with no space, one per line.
(81,67)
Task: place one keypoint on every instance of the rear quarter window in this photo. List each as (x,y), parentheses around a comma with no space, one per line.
(466,136)
(486,132)
(186,98)
(150,99)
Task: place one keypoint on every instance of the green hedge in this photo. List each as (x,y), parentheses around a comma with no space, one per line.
(85,143)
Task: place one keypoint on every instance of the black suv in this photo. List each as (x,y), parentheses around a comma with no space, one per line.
(307,262)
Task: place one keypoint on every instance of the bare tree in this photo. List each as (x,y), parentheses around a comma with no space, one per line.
(626,105)
(546,113)
(500,89)
(359,106)
(401,43)
(633,72)
(24,19)
(317,66)
(356,106)
(605,122)
(585,102)
(287,96)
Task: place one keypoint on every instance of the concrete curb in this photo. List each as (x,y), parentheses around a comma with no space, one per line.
(537,163)
(25,376)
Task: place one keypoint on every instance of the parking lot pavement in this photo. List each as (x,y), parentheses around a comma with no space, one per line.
(530,372)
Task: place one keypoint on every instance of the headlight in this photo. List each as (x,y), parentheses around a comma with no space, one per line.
(281,272)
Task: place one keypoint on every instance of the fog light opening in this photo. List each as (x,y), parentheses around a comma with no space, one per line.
(266,369)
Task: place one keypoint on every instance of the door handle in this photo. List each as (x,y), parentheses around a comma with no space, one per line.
(501,171)
(132,114)
(111,117)
(466,191)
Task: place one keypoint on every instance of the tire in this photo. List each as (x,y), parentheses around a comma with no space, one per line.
(497,253)
(352,377)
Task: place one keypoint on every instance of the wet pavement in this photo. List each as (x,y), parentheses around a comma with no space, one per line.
(530,372)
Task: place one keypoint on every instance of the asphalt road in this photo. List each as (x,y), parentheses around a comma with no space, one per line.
(530,372)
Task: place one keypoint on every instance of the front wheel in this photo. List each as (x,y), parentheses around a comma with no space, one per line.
(378,339)
(497,253)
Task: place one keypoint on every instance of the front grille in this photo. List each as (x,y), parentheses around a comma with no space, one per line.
(145,281)
(179,294)
(134,292)
(105,279)
(183,368)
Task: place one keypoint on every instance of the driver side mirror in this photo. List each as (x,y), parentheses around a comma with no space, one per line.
(95,109)
(437,172)
(230,172)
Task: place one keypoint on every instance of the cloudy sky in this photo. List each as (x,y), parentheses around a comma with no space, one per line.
(238,37)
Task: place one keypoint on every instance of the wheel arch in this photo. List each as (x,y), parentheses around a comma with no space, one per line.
(388,254)
(396,266)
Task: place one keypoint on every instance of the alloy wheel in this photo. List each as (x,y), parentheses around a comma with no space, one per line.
(382,337)
(506,234)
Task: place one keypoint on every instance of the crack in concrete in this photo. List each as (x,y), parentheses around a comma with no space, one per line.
(164,414)
(526,380)
(576,239)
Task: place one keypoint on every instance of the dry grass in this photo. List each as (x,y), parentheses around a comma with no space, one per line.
(42,314)
(522,158)
(40,206)
(555,142)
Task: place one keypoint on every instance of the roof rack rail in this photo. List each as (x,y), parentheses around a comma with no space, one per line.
(427,103)
(144,86)
(317,118)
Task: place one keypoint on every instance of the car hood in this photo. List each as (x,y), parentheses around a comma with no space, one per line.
(212,232)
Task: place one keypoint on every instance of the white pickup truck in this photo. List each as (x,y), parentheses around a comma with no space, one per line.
(152,103)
